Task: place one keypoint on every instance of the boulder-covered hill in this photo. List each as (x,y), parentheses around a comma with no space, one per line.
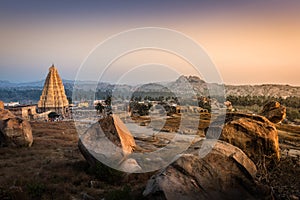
(263,90)
(275,90)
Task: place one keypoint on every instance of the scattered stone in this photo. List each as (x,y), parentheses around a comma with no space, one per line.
(274,112)
(225,173)
(14,131)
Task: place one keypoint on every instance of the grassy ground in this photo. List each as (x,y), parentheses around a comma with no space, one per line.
(53,168)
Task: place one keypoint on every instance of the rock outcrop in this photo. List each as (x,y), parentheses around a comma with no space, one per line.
(53,97)
(253,134)
(225,173)
(14,131)
(107,146)
(1,105)
(109,141)
(274,112)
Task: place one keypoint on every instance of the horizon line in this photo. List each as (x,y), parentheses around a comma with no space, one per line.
(224,83)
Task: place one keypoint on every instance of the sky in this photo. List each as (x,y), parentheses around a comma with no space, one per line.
(249,42)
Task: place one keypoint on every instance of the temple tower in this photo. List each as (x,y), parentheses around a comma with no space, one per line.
(53,97)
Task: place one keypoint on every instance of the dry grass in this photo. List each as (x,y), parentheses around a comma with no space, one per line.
(284,176)
(53,168)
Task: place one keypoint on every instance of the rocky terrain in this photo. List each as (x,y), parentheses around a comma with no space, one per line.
(255,157)
(54,168)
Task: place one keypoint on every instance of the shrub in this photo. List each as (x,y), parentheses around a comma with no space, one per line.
(125,194)
(36,190)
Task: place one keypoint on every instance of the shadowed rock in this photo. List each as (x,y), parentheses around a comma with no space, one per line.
(225,173)
(274,112)
(14,131)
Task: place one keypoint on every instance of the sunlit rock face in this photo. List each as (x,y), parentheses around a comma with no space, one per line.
(253,134)
(1,105)
(274,112)
(53,97)
(14,131)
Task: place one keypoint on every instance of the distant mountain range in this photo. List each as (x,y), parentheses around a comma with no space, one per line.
(198,86)
(34,84)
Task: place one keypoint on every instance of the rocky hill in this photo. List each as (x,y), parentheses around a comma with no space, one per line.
(275,90)
(263,90)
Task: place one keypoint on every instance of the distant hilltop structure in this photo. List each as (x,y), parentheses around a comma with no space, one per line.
(53,97)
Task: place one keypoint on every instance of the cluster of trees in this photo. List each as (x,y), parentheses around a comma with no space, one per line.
(153,96)
(15,94)
(204,102)
(140,109)
(165,102)
(143,109)
(25,95)
(160,98)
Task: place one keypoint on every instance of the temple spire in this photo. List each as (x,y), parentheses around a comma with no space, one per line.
(53,97)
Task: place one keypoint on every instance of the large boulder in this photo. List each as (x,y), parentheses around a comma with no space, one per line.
(224,173)
(108,136)
(253,134)
(106,146)
(274,112)
(14,131)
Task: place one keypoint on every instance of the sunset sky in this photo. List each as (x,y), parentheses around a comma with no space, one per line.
(250,42)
